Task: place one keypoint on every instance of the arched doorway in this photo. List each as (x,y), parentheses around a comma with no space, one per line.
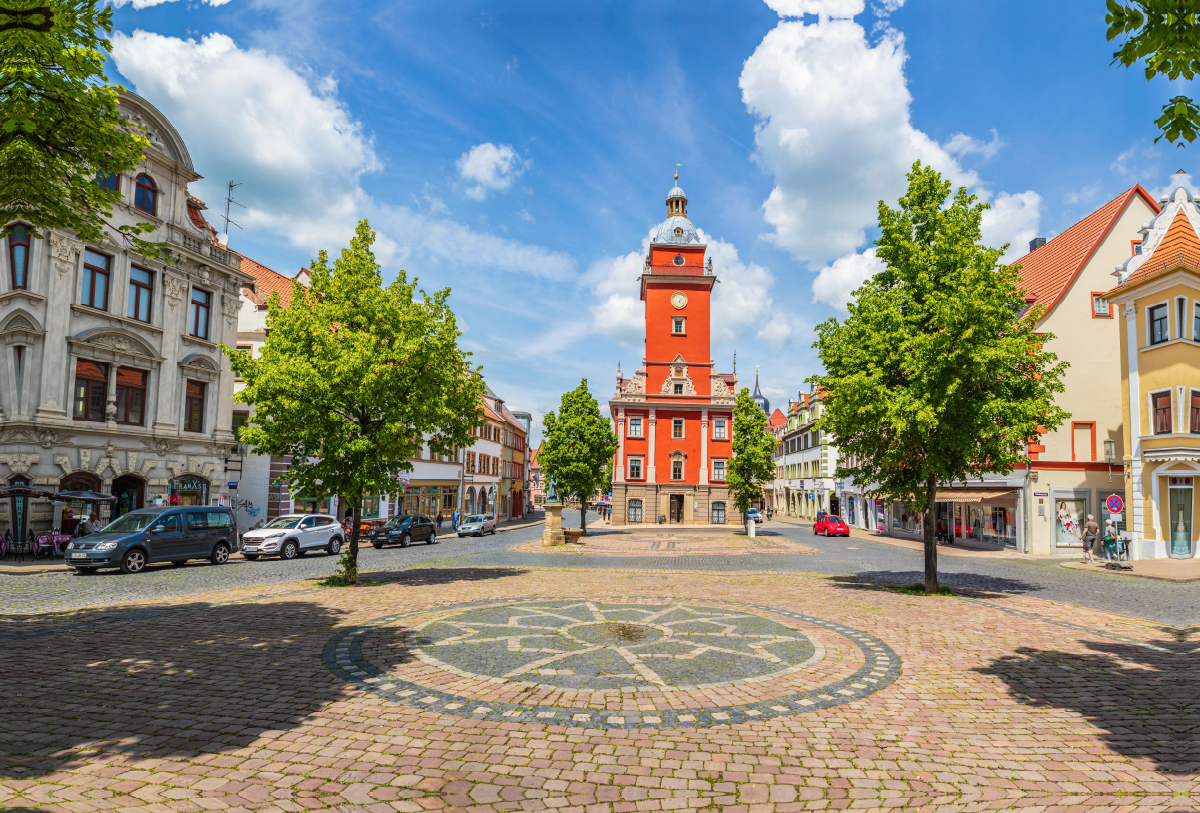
(190,489)
(130,492)
(470,501)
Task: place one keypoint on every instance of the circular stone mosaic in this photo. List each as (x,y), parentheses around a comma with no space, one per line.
(559,649)
(601,645)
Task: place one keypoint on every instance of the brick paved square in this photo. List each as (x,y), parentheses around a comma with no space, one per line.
(560,689)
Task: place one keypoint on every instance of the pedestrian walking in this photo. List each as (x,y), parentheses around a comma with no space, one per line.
(1110,542)
(439,520)
(1091,532)
(456,516)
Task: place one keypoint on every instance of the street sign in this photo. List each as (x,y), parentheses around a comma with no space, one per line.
(232,483)
(1114,503)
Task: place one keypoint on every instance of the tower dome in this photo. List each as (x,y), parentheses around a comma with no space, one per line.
(677,230)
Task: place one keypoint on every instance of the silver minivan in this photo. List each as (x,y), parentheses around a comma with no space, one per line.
(293,535)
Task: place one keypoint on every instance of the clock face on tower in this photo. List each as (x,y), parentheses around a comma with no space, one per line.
(679,299)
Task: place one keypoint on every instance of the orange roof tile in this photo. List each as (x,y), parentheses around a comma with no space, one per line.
(268,281)
(778,418)
(1048,272)
(1179,239)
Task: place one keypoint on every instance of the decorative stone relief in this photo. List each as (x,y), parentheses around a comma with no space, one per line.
(147,464)
(175,467)
(105,463)
(85,459)
(230,307)
(131,457)
(21,323)
(679,375)
(64,463)
(64,251)
(19,463)
(46,438)
(175,289)
(218,449)
(1131,312)
(162,448)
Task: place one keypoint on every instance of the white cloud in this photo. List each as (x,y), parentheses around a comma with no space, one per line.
(742,298)
(777,334)
(961,144)
(490,167)
(822,8)
(835,282)
(140,4)
(250,116)
(1173,182)
(1134,162)
(620,314)
(1013,219)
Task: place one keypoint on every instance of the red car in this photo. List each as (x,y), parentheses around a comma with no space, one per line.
(830,525)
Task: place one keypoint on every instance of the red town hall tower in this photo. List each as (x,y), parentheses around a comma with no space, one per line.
(674,417)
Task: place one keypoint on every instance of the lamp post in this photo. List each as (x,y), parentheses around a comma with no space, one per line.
(1110,454)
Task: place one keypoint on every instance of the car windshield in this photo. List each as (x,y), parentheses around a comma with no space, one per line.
(284,522)
(476,518)
(130,523)
(752,511)
(832,518)
(397,521)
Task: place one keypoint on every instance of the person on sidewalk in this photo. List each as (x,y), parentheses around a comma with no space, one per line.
(456,515)
(440,519)
(1091,532)
(1110,542)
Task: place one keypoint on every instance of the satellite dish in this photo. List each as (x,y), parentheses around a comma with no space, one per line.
(223,239)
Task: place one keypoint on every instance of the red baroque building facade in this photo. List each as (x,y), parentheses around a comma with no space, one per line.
(674,417)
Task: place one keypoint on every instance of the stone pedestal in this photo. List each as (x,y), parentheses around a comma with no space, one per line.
(553,535)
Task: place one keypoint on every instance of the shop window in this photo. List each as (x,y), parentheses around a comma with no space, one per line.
(635,512)
(1179,519)
(194,407)
(18,255)
(718,513)
(131,396)
(1162,413)
(91,390)
(1069,516)
(96,267)
(719,429)
(370,507)
(904,519)
(635,427)
(141,287)
(198,315)
(1159,331)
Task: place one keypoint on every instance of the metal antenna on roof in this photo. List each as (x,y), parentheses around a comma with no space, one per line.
(229,201)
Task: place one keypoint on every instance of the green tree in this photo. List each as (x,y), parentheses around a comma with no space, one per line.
(1166,35)
(578,445)
(936,375)
(353,378)
(59,123)
(753,452)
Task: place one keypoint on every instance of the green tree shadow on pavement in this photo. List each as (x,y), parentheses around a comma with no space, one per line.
(1143,699)
(970,585)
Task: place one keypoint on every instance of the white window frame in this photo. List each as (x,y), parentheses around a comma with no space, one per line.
(1152,431)
(682,470)
(641,463)
(1196,321)
(1180,310)
(681,322)
(1107,306)
(719,423)
(635,420)
(1149,331)
(724,469)
(680,424)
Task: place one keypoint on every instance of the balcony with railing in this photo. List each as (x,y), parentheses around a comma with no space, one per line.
(205,248)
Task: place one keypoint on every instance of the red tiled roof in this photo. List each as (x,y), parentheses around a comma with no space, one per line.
(194,207)
(1048,272)
(533,464)
(778,418)
(268,281)
(1179,246)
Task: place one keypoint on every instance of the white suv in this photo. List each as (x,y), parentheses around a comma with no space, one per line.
(293,535)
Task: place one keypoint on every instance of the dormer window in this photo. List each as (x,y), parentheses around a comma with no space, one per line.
(679,231)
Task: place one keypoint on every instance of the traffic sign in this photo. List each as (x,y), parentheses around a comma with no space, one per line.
(232,483)
(1114,503)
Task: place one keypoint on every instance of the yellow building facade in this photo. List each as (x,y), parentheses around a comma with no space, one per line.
(1158,297)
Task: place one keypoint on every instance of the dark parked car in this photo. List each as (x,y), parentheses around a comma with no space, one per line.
(405,529)
(165,534)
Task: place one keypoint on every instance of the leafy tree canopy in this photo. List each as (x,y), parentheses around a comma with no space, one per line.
(937,374)
(355,377)
(1165,34)
(753,463)
(578,444)
(59,123)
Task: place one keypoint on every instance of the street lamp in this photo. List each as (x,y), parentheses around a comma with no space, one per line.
(1110,454)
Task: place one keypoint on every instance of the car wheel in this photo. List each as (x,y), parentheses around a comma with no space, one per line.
(335,546)
(134,561)
(220,554)
(288,551)
(253,557)
(178,562)
(432,539)
(405,541)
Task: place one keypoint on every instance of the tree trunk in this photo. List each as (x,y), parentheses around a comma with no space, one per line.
(931,577)
(583,517)
(356,521)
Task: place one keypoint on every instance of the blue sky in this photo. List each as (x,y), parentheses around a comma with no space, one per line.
(520,152)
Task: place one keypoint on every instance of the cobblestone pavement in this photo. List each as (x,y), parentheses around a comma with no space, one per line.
(290,697)
(665,543)
(851,560)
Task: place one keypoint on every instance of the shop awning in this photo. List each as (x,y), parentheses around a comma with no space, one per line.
(971,494)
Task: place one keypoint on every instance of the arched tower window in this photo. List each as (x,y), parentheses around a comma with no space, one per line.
(146,196)
(18,255)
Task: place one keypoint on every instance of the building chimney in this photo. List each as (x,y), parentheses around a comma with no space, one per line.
(1036,243)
